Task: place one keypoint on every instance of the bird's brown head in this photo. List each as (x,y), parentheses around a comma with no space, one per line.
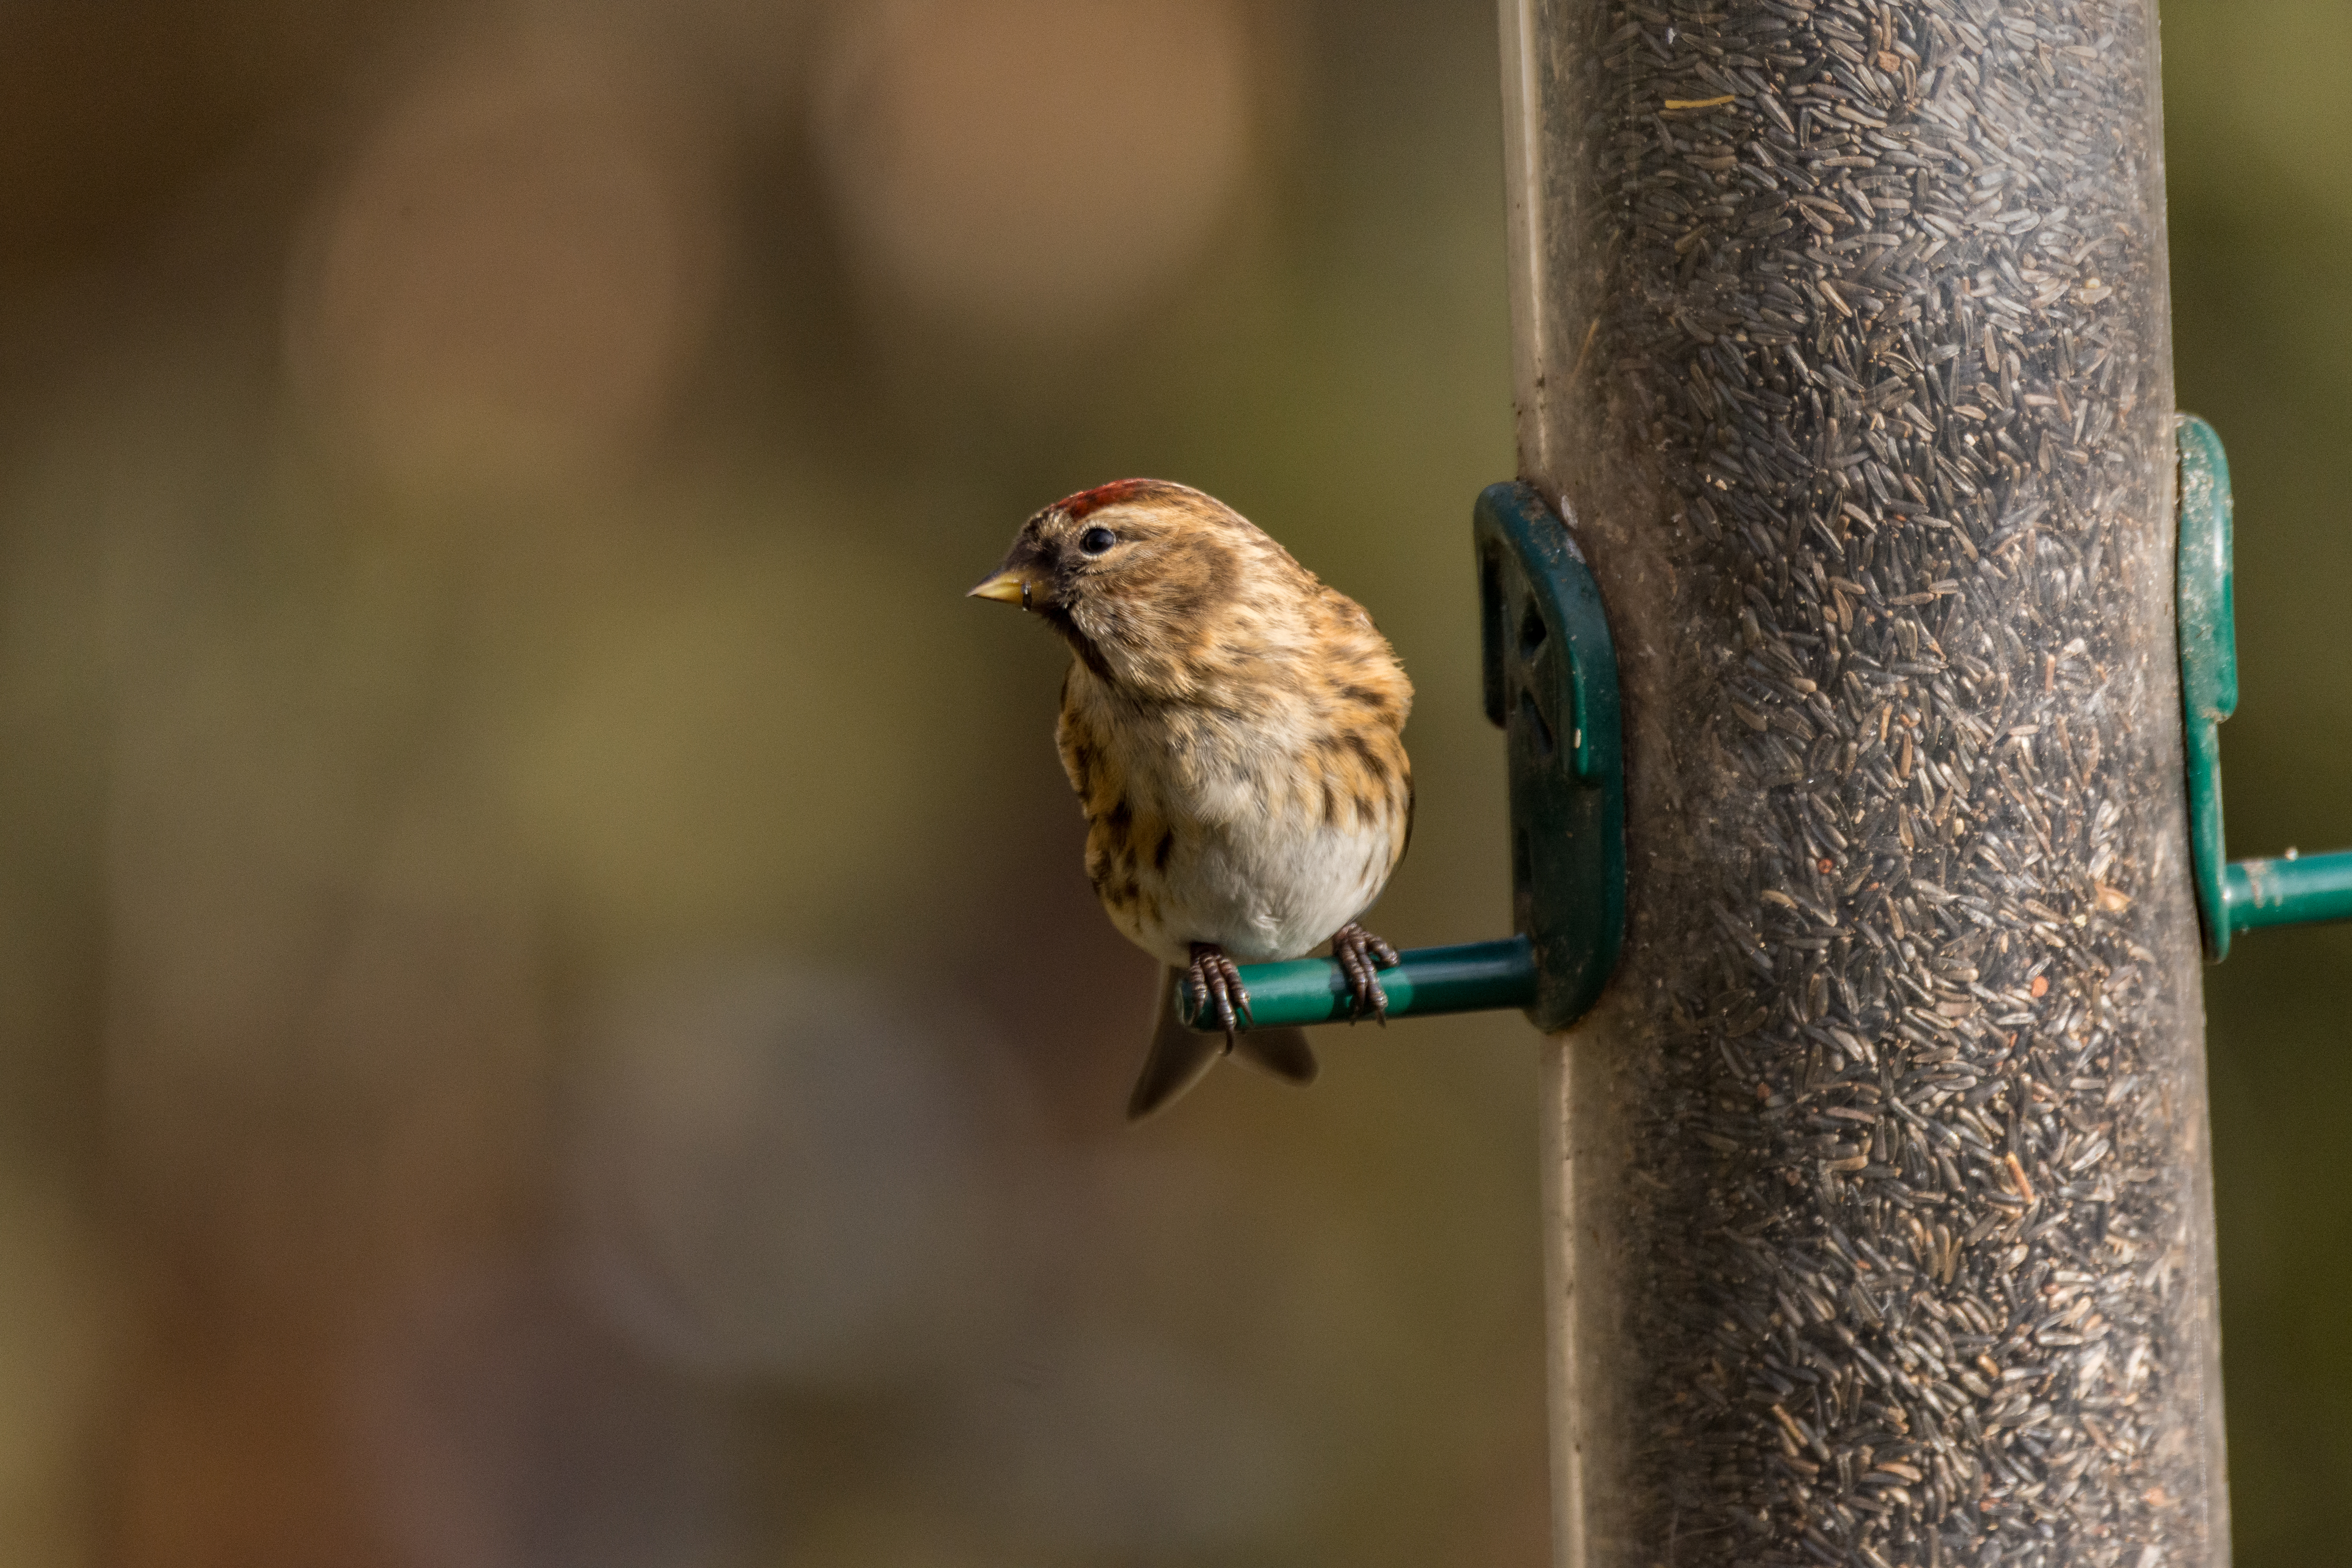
(1143,577)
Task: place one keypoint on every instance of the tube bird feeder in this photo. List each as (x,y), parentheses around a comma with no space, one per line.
(1861,628)
(1880,1224)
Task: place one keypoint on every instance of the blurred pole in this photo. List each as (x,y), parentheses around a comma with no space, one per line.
(1880,1227)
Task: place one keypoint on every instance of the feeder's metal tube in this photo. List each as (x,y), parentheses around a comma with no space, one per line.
(1878,1189)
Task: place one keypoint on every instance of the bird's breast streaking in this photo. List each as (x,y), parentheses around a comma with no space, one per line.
(1233,730)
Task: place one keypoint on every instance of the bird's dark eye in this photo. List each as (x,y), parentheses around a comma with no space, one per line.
(1094,540)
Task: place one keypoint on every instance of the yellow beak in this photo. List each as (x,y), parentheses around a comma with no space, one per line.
(1014,588)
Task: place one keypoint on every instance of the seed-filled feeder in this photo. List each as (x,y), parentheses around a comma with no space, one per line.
(1860,626)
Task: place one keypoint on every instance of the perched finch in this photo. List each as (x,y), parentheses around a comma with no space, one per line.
(1234,731)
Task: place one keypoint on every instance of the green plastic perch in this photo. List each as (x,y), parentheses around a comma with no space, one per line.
(2293,890)
(1475,977)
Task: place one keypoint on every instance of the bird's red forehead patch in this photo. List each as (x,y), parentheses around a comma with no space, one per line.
(1111,494)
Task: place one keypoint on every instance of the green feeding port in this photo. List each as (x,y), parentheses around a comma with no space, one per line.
(2231,897)
(1551,677)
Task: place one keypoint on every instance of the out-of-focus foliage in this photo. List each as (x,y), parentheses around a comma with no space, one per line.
(553,1014)
(548,1010)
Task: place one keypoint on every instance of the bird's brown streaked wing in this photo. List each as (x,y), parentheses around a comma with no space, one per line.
(1411,799)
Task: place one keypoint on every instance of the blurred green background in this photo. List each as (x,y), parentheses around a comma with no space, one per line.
(549,1013)
(2258,141)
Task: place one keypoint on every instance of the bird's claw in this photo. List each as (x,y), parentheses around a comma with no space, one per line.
(1217,986)
(1361,956)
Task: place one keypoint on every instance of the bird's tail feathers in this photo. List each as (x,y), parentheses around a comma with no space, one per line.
(1181,1054)
(1284,1053)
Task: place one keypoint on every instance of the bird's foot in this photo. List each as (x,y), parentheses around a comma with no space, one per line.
(1361,957)
(1217,989)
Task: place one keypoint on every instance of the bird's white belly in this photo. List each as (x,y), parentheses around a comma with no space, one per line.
(1264,889)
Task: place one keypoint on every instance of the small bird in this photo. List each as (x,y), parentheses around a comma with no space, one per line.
(1235,730)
